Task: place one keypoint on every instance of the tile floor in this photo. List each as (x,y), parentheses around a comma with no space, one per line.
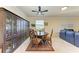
(58,44)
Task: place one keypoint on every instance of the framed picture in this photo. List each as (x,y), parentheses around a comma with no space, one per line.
(33,25)
(46,23)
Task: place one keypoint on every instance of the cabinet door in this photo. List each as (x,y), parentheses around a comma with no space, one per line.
(8,33)
(24,24)
(22,28)
(18,28)
(14,30)
(27,29)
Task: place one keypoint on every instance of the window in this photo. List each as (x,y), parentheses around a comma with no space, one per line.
(40,25)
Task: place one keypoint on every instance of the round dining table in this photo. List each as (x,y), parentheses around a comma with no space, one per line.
(41,34)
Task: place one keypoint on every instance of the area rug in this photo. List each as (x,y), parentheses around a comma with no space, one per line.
(42,47)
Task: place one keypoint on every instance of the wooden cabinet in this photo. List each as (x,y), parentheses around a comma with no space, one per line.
(13,30)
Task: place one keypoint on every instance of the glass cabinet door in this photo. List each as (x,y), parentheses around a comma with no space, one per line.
(27,28)
(14,30)
(18,28)
(24,29)
(8,33)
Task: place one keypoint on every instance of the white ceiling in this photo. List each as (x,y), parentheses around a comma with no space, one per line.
(52,10)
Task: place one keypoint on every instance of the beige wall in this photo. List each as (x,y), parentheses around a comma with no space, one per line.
(58,23)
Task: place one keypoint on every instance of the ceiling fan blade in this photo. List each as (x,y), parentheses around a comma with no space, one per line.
(34,11)
(45,11)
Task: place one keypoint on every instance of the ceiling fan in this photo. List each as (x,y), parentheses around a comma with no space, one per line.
(39,11)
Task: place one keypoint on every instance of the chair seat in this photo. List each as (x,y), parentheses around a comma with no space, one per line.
(46,37)
(36,40)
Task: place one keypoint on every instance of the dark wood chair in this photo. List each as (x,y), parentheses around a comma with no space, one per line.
(31,33)
(34,39)
(48,39)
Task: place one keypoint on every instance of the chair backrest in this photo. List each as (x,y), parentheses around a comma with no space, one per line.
(51,37)
(51,34)
(33,37)
(32,34)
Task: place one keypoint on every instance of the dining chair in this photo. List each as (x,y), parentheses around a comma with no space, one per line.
(34,39)
(51,37)
(31,33)
(48,38)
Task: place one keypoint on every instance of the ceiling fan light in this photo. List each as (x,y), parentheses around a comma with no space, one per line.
(64,8)
(39,13)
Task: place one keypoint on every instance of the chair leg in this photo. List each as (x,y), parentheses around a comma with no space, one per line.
(50,43)
(36,45)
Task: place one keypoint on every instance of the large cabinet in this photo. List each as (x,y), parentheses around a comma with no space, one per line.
(14,30)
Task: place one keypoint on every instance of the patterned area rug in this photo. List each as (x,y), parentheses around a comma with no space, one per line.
(41,47)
